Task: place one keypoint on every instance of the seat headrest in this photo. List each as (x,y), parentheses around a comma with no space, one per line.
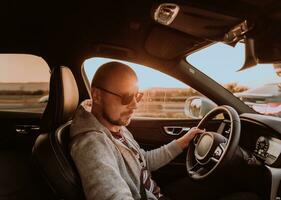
(63,99)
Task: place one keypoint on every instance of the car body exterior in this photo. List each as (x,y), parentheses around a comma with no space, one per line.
(265,99)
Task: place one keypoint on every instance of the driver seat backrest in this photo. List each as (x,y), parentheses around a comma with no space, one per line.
(51,149)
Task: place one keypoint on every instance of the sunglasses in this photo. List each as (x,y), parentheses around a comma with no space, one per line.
(126,99)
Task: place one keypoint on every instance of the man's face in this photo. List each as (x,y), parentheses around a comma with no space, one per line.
(111,105)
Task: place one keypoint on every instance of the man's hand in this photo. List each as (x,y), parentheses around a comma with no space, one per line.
(187,138)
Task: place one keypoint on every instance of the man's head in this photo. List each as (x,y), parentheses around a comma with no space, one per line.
(115,94)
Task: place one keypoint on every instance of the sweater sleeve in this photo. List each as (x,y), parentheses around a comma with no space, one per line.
(161,156)
(97,165)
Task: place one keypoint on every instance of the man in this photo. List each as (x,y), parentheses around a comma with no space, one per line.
(110,162)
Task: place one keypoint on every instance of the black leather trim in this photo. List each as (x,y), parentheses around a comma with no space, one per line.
(51,153)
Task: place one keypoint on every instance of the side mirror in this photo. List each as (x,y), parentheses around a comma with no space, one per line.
(197,106)
(277,68)
(44,99)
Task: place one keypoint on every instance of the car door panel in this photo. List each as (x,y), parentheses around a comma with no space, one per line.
(18,133)
(150,134)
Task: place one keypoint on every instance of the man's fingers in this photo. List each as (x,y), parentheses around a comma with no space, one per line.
(197,131)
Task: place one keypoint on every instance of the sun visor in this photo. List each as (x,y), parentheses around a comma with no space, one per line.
(194,21)
(263,47)
(169,43)
(268,43)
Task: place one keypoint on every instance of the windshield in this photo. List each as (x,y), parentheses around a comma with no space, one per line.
(259,86)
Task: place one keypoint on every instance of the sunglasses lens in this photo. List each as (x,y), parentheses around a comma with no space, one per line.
(127,99)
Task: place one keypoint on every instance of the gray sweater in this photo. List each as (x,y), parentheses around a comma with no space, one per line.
(108,169)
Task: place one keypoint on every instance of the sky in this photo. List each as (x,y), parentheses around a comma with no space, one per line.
(147,77)
(222,62)
(23,68)
(219,61)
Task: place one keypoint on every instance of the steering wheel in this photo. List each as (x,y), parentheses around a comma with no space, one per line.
(211,151)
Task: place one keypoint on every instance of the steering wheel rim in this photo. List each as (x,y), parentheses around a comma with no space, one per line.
(211,150)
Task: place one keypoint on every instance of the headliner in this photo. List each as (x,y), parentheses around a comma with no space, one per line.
(63,32)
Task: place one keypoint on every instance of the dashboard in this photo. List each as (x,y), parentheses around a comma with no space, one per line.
(268,149)
(260,148)
(261,136)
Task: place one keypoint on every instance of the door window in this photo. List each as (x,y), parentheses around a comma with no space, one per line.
(24,83)
(164,96)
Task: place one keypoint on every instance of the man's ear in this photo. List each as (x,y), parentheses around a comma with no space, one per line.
(96,95)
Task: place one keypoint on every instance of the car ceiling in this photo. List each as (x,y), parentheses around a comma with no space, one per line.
(65,32)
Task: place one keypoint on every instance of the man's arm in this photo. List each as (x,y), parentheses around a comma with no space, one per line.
(163,155)
(95,159)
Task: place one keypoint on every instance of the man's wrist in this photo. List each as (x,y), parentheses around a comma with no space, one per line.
(182,142)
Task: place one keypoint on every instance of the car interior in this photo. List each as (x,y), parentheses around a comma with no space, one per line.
(246,150)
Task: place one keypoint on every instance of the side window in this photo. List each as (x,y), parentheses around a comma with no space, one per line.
(164,96)
(24,83)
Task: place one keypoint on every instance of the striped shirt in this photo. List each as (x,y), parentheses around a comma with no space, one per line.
(145,175)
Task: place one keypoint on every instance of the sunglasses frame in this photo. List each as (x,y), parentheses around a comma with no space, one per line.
(124,98)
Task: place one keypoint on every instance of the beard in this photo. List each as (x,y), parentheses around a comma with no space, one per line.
(123,120)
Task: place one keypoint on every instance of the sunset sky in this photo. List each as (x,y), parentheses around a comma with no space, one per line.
(23,68)
(147,77)
(222,62)
(219,61)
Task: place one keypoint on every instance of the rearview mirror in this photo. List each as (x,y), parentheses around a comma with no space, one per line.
(44,99)
(197,106)
(250,58)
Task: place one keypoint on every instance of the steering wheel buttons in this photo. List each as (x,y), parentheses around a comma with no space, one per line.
(217,152)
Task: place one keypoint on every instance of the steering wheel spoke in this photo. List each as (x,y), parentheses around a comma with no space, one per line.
(195,139)
(197,169)
(194,168)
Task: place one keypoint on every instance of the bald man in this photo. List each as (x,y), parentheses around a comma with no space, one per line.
(110,162)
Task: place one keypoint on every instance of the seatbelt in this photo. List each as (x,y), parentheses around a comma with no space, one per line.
(142,188)
(142,191)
